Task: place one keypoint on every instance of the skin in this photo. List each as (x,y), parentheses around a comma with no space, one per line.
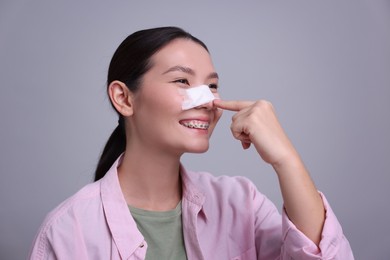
(256,123)
(149,174)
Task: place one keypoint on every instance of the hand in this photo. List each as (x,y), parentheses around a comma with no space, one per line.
(256,123)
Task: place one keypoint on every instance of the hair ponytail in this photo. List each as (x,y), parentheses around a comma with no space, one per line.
(114,147)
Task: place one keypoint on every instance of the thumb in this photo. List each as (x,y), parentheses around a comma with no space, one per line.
(245,145)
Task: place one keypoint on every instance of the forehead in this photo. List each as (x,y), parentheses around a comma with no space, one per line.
(183,52)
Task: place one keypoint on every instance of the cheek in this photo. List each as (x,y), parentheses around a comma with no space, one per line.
(218,114)
(176,101)
(164,101)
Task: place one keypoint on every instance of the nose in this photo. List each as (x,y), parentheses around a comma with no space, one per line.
(208,106)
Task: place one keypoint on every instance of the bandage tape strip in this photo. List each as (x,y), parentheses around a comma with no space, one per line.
(196,96)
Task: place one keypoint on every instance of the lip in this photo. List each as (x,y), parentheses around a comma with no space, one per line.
(205,119)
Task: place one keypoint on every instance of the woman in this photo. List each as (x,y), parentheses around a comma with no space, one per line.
(145,205)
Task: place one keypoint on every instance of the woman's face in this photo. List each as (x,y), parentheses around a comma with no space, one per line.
(158,121)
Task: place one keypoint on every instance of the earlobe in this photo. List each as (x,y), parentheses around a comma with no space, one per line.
(121,98)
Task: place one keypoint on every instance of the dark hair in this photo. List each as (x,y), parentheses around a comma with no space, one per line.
(129,63)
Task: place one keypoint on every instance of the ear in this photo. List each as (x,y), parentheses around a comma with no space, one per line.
(121,98)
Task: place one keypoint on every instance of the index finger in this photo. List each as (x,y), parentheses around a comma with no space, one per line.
(232,105)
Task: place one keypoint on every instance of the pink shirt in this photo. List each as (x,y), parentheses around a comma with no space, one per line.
(223,218)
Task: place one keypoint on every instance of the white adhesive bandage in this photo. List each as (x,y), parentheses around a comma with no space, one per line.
(196,96)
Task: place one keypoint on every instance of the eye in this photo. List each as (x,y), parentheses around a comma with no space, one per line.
(213,86)
(182,81)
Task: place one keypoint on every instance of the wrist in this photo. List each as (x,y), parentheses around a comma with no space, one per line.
(290,162)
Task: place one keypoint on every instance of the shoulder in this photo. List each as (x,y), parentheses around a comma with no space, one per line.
(87,199)
(79,218)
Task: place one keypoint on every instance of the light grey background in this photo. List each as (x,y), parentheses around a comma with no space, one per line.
(325,65)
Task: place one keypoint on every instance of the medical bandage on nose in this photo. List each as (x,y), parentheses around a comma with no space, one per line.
(196,96)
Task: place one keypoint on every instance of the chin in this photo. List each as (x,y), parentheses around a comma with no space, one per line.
(198,148)
(198,151)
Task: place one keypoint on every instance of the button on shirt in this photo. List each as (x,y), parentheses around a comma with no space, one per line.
(223,218)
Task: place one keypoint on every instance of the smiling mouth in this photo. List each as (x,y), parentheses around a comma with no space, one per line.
(195,124)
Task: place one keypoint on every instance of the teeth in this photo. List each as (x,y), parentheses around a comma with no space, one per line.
(196,124)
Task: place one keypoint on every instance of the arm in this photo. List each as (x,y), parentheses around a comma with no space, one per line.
(256,123)
(302,201)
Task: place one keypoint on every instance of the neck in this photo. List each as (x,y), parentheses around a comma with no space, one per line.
(150,179)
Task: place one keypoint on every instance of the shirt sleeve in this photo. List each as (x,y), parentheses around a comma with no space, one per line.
(333,244)
(42,249)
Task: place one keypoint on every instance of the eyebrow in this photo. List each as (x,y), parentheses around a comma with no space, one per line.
(212,75)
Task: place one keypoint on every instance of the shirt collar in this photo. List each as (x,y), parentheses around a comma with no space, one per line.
(190,191)
(121,224)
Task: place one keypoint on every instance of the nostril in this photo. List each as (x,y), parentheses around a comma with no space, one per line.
(208,105)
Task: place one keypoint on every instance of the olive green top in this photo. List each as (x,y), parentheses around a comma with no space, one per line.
(162,231)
